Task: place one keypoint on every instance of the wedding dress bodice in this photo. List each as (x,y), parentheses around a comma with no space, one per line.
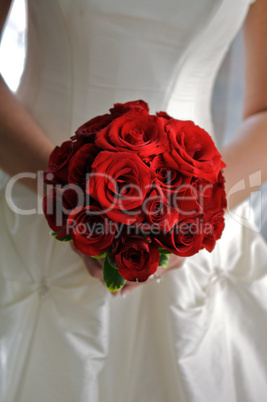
(83,56)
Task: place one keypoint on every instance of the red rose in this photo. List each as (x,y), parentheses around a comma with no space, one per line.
(57,171)
(158,212)
(81,164)
(136,259)
(191,197)
(144,135)
(215,199)
(169,179)
(192,151)
(200,197)
(134,107)
(187,201)
(185,239)
(56,206)
(213,231)
(85,134)
(91,230)
(164,115)
(120,182)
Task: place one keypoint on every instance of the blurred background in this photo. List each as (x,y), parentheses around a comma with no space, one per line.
(13,45)
(226,103)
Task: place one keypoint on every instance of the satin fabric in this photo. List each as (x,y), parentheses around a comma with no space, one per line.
(200,334)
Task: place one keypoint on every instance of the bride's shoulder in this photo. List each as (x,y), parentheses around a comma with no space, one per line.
(255,44)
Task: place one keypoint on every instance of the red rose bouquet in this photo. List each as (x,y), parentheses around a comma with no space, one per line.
(132,188)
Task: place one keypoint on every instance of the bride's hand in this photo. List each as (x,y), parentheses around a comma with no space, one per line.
(95,269)
(94,266)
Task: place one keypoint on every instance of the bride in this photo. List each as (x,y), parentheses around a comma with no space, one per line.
(198,333)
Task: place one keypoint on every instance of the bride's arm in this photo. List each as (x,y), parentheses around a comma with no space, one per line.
(23,145)
(246,154)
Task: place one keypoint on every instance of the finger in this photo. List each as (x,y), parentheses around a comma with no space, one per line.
(73,247)
(114,294)
(129,286)
(93,266)
(175,262)
(100,262)
(95,271)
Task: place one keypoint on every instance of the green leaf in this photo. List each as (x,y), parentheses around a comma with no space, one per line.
(164,260)
(102,255)
(112,263)
(113,280)
(55,235)
(164,251)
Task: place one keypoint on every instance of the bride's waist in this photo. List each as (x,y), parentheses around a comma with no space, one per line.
(61,107)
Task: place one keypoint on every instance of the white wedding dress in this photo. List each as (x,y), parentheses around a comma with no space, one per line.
(200,334)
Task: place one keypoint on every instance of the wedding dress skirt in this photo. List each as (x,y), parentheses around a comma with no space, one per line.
(198,335)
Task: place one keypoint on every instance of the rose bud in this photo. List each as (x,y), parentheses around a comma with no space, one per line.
(135,258)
